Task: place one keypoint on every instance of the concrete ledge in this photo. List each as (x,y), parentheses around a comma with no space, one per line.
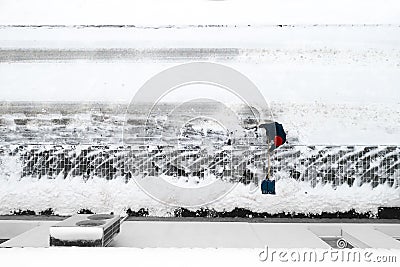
(202,234)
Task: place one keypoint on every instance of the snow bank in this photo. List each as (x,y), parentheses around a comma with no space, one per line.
(67,196)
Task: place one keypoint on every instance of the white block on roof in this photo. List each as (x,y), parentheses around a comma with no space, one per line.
(97,229)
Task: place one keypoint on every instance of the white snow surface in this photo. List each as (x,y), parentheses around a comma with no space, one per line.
(313,123)
(197,12)
(340,123)
(327,85)
(76,233)
(328,64)
(190,182)
(67,196)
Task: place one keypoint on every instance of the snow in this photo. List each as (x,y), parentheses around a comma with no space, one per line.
(313,123)
(67,196)
(197,12)
(76,233)
(340,123)
(328,84)
(292,38)
(190,182)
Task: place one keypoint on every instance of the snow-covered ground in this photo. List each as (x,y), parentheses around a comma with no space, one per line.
(335,84)
(329,84)
(340,123)
(314,123)
(198,12)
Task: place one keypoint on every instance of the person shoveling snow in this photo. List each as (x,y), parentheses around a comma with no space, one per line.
(275,132)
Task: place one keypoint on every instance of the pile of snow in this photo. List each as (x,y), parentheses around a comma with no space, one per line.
(67,196)
(190,182)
